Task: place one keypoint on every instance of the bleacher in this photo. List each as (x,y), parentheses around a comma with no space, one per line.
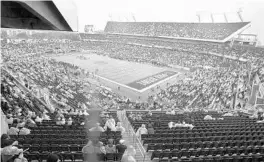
(213,31)
(235,138)
(212,78)
(65,141)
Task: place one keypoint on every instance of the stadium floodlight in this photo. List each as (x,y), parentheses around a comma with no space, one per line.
(134,18)
(199,17)
(225,17)
(240,10)
(212,17)
(110,17)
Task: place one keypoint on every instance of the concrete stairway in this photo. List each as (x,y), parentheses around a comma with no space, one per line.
(131,139)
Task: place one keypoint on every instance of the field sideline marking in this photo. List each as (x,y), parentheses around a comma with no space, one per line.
(155,84)
(142,90)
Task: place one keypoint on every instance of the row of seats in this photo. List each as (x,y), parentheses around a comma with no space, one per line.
(202,134)
(206,156)
(66,135)
(63,141)
(209,127)
(208,140)
(205,145)
(52,147)
(232,139)
(74,156)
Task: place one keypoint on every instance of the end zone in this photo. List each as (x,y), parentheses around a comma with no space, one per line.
(151,81)
(146,83)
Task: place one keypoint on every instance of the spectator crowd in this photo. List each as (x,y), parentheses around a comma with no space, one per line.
(33,84)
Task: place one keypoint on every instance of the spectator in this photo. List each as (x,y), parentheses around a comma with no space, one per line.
(157,123)
(30,123)
(141,130)
(149,113)
(120,128)
(39,119)
(85,113)
(10,152)
(58,122)
(121,147)
(129,154)
(13,130)
(45,116)
(34,116)
(53,158)
(110,124)
(97,128)
(208,117)
(24,131)
(63,121)
(9,119)
(5,141)
(110,147)
(150,129)
(93,147)
(171,124)
(21,123)
(69,121)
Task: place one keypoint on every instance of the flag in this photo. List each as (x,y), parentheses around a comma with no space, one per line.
(46,96)
(256,79)
(261,89)
(231,43)
(260,96)
(257,92)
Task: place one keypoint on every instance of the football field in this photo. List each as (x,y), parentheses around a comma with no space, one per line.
(134,80)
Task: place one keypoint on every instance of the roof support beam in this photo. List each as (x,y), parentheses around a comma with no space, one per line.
(48,13)
(22,23)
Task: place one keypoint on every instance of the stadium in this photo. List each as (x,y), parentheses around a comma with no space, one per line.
(136,92)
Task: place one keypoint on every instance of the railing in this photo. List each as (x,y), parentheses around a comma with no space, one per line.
(136,141)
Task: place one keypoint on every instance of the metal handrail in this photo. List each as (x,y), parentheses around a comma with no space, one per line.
(136,141)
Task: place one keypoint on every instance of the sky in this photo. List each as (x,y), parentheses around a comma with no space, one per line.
(98,12)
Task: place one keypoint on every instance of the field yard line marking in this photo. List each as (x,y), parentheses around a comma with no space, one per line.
(123,85)
(164,80)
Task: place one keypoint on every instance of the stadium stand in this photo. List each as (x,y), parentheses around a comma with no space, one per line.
(213,31)
(232,138)
(220,84)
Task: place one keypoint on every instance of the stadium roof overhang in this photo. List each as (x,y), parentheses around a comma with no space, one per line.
(42,15)
(228,38)
(239,31)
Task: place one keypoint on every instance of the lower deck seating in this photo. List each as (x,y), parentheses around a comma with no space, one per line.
(65,141)
(233,139)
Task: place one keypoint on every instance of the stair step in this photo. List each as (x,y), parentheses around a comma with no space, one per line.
(129,138)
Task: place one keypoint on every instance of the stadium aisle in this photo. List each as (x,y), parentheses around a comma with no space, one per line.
(130,138)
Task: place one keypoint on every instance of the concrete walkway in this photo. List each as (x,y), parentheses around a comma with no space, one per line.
(131,139)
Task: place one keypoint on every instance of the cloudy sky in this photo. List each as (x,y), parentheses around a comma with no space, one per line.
(98,12)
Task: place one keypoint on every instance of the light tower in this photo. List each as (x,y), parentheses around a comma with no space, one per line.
(110,16)
(211,14)
(133,17)
(240,10)
(212,17)
(199,17)
(225,18)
